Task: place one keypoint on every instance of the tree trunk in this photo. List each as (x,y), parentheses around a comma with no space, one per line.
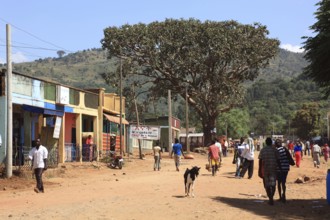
(208,126)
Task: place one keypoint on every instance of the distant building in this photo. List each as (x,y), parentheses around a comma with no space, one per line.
(163,123)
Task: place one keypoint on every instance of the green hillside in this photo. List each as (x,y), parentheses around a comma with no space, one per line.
(82,69)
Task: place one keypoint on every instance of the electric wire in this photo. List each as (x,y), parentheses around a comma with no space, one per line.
(29,46)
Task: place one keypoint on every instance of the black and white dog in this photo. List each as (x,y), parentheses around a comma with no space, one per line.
(189,179)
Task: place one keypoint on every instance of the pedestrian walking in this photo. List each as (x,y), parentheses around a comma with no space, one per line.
(316,155)
(225,147)
(268,163)
(308,148)
(214,155)
(282,172)
(290,147)
(298,153)
(326,150)
(238,159)
(248,155)
(157,156)
(218,144)
(38,155)
(177,151)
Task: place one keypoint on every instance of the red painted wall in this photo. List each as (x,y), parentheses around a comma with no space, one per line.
(70,122)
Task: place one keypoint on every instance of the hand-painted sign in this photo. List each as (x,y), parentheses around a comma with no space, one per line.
(145,132)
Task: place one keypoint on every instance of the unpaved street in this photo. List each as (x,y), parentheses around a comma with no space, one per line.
(93,191)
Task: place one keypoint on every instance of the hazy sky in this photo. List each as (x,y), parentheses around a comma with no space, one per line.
(40,28)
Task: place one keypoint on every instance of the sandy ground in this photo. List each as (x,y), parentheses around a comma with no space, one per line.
(94,191)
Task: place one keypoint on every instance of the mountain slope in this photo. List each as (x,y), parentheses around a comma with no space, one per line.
(82,69)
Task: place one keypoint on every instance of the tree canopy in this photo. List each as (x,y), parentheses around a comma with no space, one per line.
(318,48)
(307,121)
(211,59)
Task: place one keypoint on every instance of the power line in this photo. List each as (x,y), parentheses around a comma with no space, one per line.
(36,37)
(35,48)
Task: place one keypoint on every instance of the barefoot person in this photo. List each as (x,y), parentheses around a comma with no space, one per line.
(38,155)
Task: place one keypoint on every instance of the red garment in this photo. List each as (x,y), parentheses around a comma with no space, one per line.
(298,158)
(214,152)
(326,153)
(290,146)
(89,141)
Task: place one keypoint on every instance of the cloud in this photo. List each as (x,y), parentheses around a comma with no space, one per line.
(292,48)
(17,57)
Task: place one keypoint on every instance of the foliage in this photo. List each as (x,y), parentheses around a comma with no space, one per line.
(273,105)
(318,48)
(307,121)
(235,123)
(211,59)
(60,53)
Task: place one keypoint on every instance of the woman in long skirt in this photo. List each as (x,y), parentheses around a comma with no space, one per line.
(297,152)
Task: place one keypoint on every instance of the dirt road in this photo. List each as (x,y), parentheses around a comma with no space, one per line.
(93,191)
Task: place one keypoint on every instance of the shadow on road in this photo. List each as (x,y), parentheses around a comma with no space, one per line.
(292,209)
(179,197)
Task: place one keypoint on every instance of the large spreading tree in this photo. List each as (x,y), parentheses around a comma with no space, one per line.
(211,59)
(318,48)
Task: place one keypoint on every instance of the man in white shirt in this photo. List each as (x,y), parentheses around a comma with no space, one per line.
(38,155)
(248,155)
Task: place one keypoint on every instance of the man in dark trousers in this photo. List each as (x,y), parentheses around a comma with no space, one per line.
(38,155)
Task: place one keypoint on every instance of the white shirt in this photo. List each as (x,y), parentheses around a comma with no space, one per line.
(217,144)
(157,150)
(316,148)
(248,152)
(38,156)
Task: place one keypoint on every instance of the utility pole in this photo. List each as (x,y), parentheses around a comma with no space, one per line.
(138,122)
(187,122)
(121,107)
(169,122)
(226,130)
(9,169)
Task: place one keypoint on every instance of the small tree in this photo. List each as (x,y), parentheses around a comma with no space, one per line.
(60,53)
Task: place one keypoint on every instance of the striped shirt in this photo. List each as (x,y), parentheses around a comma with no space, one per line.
(284,161)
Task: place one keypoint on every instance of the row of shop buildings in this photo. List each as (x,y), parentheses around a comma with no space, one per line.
(62,117)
